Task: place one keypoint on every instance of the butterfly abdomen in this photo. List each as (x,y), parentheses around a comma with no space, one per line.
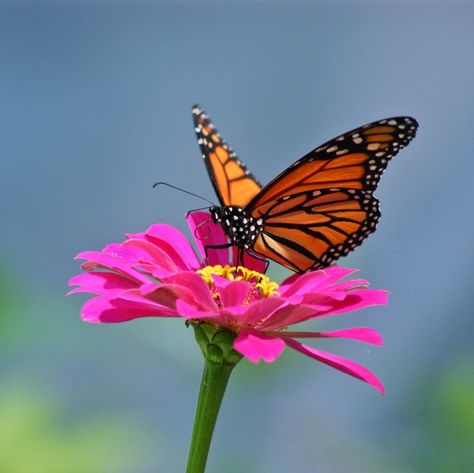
(241,228)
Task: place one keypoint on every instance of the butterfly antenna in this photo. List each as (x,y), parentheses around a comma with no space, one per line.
(156,184)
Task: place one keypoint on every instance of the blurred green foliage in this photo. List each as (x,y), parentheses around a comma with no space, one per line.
(443,419)
(37,436)
(40,431)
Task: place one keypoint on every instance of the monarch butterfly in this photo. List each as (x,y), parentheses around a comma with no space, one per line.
(318,209)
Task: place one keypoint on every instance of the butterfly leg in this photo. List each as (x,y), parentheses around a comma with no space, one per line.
(239,255)
(195,210)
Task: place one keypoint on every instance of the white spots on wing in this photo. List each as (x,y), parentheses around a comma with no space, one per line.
(342,151)
(392,122)
(331,149)
(358,140)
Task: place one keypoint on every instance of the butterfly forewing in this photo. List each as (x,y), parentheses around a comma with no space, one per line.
(311,229)
(233,183)
(355,160)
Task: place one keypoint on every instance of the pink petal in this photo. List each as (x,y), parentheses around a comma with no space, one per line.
(313,281)
(362,334)
(248,315)
(123,252)
(182,300)
(153,259)
(287,315)
(342,364)
(173,243)
(193,283)
(101,283)
(249,261)
(114,263)
(260,311)
(103,309)
(207,233)
(312,307)
(234,294)
(356,300)
(189,311)
(255,346)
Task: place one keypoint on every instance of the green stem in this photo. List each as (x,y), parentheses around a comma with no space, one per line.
(219,359)
(214,381)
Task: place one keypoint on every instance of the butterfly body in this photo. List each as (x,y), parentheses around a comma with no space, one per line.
(317,210)
(241,228)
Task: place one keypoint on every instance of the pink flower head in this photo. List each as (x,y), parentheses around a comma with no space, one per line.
(159,274)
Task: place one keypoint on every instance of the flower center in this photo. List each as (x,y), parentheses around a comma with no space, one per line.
(263,285)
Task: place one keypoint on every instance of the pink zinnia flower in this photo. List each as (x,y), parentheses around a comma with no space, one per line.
(159,274)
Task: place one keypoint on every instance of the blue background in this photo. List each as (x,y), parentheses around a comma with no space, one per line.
(95,101)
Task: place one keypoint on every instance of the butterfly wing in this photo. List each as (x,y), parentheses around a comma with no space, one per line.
(309,230)
(233,183)
(322,206)
(355,160)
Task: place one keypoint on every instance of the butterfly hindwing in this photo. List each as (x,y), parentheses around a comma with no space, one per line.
(309,230)
(355,160)
(233,183)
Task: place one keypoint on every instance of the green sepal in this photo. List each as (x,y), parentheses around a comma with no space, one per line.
(216,344)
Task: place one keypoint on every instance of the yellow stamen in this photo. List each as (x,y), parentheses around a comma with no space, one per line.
(265,286)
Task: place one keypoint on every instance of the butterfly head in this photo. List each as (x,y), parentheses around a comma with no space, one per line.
(241,228)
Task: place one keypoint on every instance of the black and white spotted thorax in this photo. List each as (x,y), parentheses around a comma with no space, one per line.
(241,228)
